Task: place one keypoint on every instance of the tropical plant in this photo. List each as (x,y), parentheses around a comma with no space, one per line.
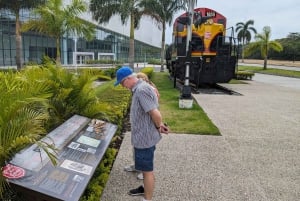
(56,21)
(72,93)
(263,44)
(15,6)
(103,10)
(244,33)
(23,114)
(162,11)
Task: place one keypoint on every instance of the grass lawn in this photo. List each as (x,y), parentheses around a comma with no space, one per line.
(181,120)
(271,71)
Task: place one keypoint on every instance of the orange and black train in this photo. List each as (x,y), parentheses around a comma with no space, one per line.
(212,53)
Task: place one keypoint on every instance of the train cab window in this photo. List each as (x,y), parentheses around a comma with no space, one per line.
(213,45)
(221,21)
(180,27)
(197,44)
(216,42)
(178,40)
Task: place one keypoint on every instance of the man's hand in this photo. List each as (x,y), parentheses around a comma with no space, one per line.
(164,128)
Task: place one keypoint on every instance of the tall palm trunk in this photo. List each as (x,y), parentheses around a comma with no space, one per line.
(131,42)
(243,49)
(265,63)
(58,62)
(162,51)
(18,42)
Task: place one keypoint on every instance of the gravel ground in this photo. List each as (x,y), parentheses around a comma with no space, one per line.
(255,159)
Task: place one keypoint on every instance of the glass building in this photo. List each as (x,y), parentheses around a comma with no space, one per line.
(107,45)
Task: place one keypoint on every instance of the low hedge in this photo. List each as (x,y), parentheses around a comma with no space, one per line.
(148,71)
(244,75)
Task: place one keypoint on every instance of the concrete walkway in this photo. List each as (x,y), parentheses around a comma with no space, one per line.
(255,159)
(277,80)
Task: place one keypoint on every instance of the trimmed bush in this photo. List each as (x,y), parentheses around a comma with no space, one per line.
(148,71)
(244,75)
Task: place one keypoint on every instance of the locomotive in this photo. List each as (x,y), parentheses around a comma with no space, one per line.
(211,54)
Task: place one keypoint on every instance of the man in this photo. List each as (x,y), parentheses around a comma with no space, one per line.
(143,76)
(146,126)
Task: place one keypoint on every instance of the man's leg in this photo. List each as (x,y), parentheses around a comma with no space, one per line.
(148,184)
(144,161)
(131,168)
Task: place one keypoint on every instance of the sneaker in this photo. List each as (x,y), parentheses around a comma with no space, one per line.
(140,176)
(129,168)
(137,191)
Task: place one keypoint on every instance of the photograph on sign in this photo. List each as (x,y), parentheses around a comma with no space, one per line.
(73,145)
(78,167)
(88,141)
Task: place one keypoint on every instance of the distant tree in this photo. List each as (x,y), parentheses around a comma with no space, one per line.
(264,44)
(294,37)
(163,12)
(15,6)
(56,21)
(133,10)
(244,33)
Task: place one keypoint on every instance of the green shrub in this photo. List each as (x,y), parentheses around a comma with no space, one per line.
(110,72)
(148,71)
(103,61)
(244,75)
(98,74)
(95,187)
(31,63)
(154,61)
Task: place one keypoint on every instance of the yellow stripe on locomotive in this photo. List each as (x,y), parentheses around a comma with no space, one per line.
(206,33)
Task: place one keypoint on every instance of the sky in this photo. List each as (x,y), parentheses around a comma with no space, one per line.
(283,16)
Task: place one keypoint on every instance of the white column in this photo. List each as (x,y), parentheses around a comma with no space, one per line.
(75,54)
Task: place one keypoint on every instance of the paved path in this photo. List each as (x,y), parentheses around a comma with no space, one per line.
(255,159)
(277,80)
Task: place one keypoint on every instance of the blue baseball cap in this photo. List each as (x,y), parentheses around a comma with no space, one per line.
(122,73)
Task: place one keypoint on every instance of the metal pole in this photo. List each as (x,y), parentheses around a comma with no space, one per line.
(186,90)
(188,39)
(186,100)
(189,25)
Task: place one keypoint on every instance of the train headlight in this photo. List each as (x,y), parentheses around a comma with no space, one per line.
(210,21)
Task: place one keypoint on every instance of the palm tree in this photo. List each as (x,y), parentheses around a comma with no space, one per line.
(103,10)
(162,11)
(244,33)
(264,44)
(15,6)
(56,21)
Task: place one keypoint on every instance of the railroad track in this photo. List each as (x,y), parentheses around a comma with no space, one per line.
(215,89)
(209,89)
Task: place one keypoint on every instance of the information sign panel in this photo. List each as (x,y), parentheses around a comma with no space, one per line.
(81,144)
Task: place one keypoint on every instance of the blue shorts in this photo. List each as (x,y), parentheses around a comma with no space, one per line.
(143,159)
